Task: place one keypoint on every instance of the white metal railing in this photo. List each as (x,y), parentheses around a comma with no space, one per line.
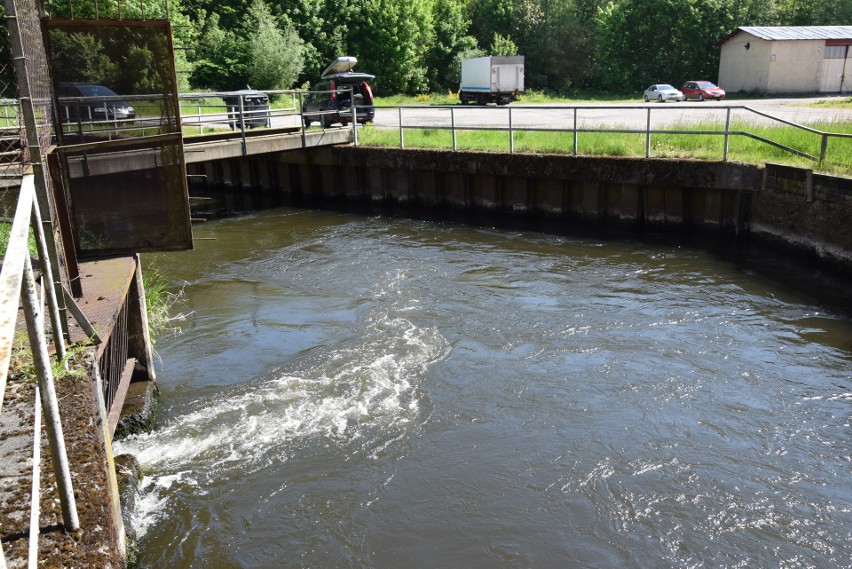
(18,287)
(574,123)
(211,112)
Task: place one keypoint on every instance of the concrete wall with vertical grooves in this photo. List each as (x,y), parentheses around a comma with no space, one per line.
(791,208)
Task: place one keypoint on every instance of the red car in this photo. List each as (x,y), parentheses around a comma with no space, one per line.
(702,90)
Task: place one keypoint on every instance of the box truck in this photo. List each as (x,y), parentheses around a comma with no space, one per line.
(491,79)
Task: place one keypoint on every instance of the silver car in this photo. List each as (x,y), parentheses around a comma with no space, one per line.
(662,92)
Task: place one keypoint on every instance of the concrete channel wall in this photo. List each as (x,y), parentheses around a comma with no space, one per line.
(787,207)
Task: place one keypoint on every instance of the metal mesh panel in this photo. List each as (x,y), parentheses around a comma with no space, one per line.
(32,71)
(119,134)
(113,80)
(10,125)
(37,71)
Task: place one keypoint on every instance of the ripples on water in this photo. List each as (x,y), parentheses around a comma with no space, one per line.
(368,392)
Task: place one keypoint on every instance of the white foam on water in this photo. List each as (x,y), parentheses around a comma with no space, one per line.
(366,388)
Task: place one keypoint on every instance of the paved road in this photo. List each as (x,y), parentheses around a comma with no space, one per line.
(597,115)
(604,115)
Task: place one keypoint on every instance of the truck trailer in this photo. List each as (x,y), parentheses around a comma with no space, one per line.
(491,79)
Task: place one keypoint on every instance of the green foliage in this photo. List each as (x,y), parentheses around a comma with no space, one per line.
(5,233)
(657,41)
(84,55)
(450,41)
(394,48)
(275,57)
(161,304)
(127,59)
(502,45)
(218,56)
(415,45)
(256,52)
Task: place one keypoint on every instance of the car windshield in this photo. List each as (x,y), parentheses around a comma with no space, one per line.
(666,88)
(96,91)
(706,85)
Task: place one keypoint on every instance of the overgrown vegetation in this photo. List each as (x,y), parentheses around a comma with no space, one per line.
(693,146)
(161,304)
(71,367)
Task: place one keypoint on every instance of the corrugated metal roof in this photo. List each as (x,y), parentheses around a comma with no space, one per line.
(794,32)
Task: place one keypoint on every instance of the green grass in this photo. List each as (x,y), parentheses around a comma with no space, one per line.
(845,104)
(702,147)
(5,231)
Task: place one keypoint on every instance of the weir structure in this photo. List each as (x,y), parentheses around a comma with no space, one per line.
(94,199)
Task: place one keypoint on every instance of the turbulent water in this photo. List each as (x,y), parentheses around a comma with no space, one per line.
(368,392)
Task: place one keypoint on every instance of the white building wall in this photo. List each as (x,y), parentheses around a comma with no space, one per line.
(742,69)
(795,66)
(779,66)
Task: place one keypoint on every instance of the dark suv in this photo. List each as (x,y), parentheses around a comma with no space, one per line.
(330,100)
(89,102)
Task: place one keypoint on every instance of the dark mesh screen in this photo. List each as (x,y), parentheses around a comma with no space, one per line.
(112,79)
(120,137)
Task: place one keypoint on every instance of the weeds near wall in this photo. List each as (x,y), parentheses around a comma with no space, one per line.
(163,305)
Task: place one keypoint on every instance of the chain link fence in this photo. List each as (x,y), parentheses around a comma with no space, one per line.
(10,123)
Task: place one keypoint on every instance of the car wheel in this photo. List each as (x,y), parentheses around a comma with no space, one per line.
(646,98)
(701,97)
(324,121)
(661,98)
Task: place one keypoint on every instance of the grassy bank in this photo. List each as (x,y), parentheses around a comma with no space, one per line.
(691,146)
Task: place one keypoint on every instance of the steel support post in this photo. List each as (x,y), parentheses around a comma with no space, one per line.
(727,133)
(52,301)
(453,125)
(354,116)
(302,116)
(243,125)
(511,134)
(575,131)
(401,135)
(648,134)
(49,403)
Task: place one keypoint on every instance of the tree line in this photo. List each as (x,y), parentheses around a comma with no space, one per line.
(415,46)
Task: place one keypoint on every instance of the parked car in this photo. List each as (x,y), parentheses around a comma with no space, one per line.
(334,94)
(88,102)
(702,90)
(255,109)
(662,92)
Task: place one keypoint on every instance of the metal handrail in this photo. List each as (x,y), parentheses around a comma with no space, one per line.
(18,287)
(511,127)
(222,115)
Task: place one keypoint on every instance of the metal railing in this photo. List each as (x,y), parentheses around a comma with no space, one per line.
(577,122)
(226,111)
(18,287)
